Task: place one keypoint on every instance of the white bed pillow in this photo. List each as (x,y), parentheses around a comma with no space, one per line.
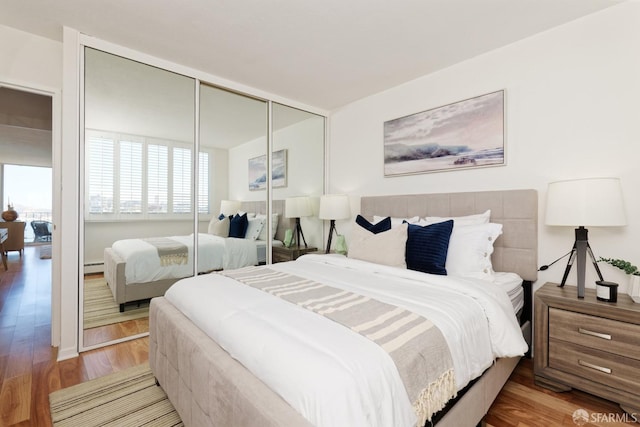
(249,214)
(254,228)
(470,249)
(396,221)
(219,227)
(387,247)
(274,226)
(475,219)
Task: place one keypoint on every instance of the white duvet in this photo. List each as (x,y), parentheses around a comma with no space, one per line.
(214,253)
(330,374)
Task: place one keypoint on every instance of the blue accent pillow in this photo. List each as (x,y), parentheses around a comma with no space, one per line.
(238,226)
(427,247)
(221,217)
(376,228)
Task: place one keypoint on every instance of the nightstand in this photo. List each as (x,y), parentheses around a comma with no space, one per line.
(282,253)
(590,345)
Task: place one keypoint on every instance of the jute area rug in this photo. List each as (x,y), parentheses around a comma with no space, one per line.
(128,398)
(100,308)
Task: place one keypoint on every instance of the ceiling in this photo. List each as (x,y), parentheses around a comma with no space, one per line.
(324,54)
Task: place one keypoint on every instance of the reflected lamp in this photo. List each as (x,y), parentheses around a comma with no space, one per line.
(333,207)
(229,207)
(579,203)
(297,207)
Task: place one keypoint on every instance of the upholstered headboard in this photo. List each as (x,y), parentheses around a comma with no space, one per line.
(516,250)
(278,207)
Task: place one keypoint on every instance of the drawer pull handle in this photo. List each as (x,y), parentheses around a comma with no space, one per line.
(594,334)
(592,366)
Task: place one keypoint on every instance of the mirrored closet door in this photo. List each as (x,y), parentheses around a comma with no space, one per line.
(138,189)
(298,171)
(151,179)
(233,134)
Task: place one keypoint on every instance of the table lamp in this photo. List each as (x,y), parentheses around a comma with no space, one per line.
(578,203)
(333,207)
(297,207)
(229,207)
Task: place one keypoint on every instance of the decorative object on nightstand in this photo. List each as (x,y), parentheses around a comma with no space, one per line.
(297,207)
(606,291)
(584,202)
(229,207)
(10,214)
(632,271)
(333,207)
(588,344)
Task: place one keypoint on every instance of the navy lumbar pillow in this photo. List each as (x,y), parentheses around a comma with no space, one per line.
(376,228)
(238,226)
(427,247)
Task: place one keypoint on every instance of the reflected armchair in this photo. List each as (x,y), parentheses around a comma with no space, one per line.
(41,230)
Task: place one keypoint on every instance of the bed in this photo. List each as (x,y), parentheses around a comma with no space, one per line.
(205,383)
(146,277)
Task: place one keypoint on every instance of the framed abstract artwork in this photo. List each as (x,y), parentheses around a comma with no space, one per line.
(461,135)
(258,171)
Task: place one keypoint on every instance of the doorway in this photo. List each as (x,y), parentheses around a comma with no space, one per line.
(26,174)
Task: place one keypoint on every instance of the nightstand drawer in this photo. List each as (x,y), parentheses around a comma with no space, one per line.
(595,332)
(605,368)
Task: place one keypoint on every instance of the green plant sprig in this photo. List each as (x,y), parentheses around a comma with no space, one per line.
(623,265)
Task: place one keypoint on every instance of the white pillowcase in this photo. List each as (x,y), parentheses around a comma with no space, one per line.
(249,214)
(396,221)
(219,227)
(254,228)
(482,218)
(470,249)
(387,247)
(274,226)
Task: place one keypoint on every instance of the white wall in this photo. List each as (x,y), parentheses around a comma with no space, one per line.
(29,59)
(34,63)
(571,111)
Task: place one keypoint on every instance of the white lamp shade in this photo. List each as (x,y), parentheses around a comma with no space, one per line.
(585,202)
(297,207)
(229,207)
(334,206)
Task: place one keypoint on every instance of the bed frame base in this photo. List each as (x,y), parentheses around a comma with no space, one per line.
(209,387)
(123,293)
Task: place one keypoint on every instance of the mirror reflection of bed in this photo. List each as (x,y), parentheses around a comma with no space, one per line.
(106,318)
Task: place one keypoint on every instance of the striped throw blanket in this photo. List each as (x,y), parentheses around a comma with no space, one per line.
(170,251)
(415,344)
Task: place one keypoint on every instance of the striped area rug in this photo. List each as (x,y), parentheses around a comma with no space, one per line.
(100,309)
(128,398)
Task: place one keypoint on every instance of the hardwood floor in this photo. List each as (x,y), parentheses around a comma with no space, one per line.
(29,371)
(112,332)
(28,367)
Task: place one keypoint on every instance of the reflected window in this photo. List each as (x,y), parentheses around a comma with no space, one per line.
(130,177)
(123,169)
(203,183)
(157,179)
(181,184)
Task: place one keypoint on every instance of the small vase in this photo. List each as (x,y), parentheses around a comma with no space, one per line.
(634,288)
(10,214)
